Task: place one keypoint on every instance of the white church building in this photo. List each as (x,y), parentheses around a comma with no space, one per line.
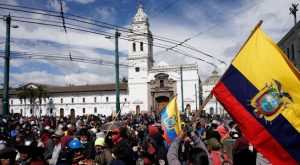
(213,106)
(149,88)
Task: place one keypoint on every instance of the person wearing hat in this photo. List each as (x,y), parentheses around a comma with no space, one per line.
(57,148)
(76,149)
(212,132)
(103,155)
(29,153)
(7,156)
(214,148)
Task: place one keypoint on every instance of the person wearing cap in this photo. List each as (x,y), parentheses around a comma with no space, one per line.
(57,148)
(217,156)
(103,155)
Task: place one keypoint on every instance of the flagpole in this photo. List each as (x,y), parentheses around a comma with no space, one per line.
(210,96)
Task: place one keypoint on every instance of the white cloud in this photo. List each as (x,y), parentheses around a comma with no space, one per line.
(11,2)
(107,14)
(82,1)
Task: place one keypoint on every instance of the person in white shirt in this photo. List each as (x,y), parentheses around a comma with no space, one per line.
(57,148)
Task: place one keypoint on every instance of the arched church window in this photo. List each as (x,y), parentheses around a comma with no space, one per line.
(134,47)
(161,83)
(141,46)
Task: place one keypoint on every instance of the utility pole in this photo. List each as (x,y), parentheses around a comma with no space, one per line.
(117,35)
(5,99)
(181,80)
(196,96)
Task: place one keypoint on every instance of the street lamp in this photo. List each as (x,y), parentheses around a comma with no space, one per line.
(5,100)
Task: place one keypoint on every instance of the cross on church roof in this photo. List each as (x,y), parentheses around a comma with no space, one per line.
(140,4)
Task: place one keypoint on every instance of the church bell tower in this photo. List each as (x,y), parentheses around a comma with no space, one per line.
(140,58)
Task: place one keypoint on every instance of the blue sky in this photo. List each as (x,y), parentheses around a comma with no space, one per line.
(223,26)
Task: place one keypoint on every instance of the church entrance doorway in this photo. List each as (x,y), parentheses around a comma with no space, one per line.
(161,101)
(137,110)
(72,113)
(61,112)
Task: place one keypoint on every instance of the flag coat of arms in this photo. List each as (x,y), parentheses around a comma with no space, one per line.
(170,120)
(261,92)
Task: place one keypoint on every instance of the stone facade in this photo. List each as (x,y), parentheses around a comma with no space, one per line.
(290,45)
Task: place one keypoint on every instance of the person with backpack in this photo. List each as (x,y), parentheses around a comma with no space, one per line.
(218,157)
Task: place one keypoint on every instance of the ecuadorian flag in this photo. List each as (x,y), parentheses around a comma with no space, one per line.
(170,120)
(261,91)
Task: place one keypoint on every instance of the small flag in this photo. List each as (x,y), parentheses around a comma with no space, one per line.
(170,120)
(261,92)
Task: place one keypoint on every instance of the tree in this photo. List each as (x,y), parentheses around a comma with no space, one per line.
(41,94)
(32,96)
(23,93)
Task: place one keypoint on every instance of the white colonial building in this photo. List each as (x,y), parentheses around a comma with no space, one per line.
(150,85)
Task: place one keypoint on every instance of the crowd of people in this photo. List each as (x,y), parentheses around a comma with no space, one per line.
(129,139)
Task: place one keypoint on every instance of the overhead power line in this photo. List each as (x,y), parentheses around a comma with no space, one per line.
(164,9)
(214,25)
(108,26)
(62,57)
(64,26)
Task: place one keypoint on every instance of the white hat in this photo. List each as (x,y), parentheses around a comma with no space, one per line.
(60,126)
(47,128)
(94,130)
(100,134)
(69,125)
(58,133)
(215,122)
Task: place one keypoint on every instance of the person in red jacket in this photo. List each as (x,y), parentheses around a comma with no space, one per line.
(121,149)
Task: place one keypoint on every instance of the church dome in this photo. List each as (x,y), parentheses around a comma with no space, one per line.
(140,16)
(213,79)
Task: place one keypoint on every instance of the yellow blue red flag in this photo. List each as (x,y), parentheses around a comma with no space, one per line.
(170,120)
(261,92)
